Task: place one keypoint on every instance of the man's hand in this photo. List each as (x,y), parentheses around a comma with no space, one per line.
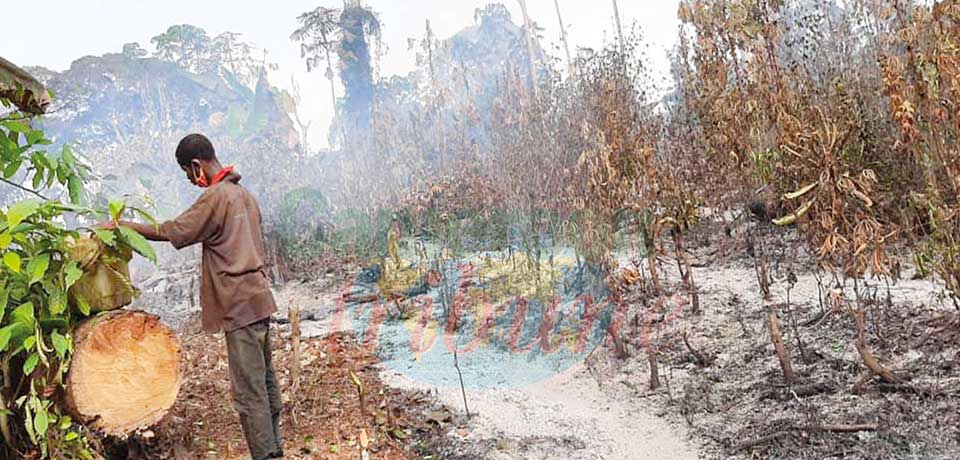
(149,232)
(109,225)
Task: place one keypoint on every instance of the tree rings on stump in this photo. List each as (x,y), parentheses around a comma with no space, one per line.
(125,373)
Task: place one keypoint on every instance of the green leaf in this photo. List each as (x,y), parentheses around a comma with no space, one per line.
(20,211)
(41,422)
(138,243)
(14,334)
(31,363)
(75,186)
(5,240)
(62,173)
(24,314)
(57,302)
(41,158)
(11,169)
(71,436)
(51,176)
(60,344)
(4,299)
(34,136)
(16,126)
(146,216)
(37,267)
(66,155)
(72,274)
(12,261)
(5,337)
(29,342)
(82,305)
(116,209)
(108,237)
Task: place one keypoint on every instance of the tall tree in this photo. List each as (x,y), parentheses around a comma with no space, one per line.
(563,36)
(616,16)
(348,32)
(528,31)
(237,56)
(317,32)
(185,45)
(192,49)
(358,25)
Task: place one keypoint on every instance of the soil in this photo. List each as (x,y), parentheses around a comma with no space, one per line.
(726,399)
(324,419)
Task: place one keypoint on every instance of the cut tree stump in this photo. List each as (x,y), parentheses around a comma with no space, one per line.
(125,373)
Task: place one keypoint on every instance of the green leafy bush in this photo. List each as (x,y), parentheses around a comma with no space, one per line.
(37,314)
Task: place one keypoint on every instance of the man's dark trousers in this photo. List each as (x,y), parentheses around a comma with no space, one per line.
(255,393)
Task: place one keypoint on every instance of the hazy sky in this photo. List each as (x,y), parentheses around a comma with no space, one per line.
(53,33)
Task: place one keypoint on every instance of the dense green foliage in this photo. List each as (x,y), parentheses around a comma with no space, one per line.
(37,314)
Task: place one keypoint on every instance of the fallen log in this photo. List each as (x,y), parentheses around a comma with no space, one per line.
(125,373)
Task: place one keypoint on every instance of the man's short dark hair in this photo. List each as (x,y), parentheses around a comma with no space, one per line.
(194,147)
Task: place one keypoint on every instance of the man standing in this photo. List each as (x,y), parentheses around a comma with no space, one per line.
(235,294)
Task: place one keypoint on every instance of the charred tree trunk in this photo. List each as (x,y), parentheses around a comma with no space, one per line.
(773,323)
(654,368)
(125,373)
(652,263)
(685,272)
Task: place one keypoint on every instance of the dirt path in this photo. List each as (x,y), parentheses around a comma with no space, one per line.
(569,416)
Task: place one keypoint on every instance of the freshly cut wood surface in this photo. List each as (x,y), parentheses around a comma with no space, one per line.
(125,372)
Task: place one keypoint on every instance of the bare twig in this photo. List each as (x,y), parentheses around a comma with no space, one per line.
(25,189)
(871,361)
(855,428)
(463,390)
(701,359)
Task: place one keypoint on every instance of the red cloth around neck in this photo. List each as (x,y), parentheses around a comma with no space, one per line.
(220,175)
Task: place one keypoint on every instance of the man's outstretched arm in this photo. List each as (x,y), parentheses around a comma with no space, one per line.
(149,232)
(193,226)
